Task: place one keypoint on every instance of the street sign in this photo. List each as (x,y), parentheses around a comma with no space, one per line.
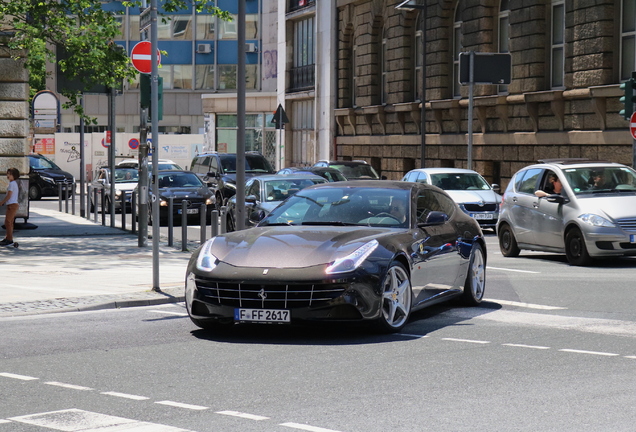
(144,19)
(489,68)
(141,55)
(632,125)
(280,117)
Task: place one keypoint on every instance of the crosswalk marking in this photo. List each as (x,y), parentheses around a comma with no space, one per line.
(76,420)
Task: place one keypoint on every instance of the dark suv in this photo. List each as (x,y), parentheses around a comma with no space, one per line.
(45,176)
(218,170)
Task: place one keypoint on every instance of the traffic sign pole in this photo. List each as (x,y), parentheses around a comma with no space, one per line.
(632,130)
(154,128)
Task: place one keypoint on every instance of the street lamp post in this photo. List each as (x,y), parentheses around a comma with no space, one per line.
(412,5)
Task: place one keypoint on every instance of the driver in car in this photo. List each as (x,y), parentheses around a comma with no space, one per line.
(398,210)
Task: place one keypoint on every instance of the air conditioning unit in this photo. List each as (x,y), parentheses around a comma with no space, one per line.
(250,47)
(204,48)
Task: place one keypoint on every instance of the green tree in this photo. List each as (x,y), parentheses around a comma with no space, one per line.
(83,30)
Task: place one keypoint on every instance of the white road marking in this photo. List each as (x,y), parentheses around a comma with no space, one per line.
(512,270)
(15,376)
(412,335)
(526,346)
(4,421)
(169,313)
(68,386)
(524,305)
(182,405)
(76,420)
(307,427)
(242,415)
(466,340)
(125,395)
(589,352)
(630,357)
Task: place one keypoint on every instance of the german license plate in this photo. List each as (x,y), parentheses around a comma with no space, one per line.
(632,238)
(262,315)
(189,211)
(482,216)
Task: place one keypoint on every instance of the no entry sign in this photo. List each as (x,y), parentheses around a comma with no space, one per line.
(140,57)
(632,125)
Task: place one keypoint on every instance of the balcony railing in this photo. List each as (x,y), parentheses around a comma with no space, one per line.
(303,78)
(299,4)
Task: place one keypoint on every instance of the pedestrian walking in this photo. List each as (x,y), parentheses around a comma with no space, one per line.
(11,201)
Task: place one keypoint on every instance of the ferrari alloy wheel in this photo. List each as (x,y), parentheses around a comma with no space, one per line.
(396,299)
(575,249)
(476,277)
(507,241)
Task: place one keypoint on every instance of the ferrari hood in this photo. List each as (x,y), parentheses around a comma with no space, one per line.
(294,247)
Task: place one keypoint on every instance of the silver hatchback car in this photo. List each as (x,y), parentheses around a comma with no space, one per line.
(582,208)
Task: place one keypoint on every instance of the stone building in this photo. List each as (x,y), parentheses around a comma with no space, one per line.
(14,114)
(568,59)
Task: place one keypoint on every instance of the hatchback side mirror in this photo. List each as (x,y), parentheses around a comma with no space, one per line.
(496,188)
(556,198)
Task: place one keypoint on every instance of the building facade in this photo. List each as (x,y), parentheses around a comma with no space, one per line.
(568,59)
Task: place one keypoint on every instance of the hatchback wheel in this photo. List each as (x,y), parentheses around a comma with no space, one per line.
(396,299)
(575,249)
(476,277)
(507,241)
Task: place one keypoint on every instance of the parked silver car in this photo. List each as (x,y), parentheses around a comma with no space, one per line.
(582,208)
(467,188)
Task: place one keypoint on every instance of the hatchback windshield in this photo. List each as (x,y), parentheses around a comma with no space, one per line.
(125,175)
(459,181)
(344,206)
(601,179)
(357,171)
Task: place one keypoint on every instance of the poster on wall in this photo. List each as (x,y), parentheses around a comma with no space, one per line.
(44,145)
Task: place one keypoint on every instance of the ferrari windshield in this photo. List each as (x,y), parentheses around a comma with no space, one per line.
(344,206)
(601,179)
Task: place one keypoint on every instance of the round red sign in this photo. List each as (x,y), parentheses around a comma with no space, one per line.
(632,125)
(140,57)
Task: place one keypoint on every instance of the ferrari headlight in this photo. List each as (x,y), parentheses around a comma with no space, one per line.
(206,261)
(353,260)
(596,220)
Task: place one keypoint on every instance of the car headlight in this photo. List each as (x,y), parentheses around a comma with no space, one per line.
(206,261)
(163,203)
(596,220)
(118,193)
(48,179)
(210,201)
(230,185)
(353,260)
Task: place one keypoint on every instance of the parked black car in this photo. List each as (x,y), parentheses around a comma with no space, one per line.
(357,251)
(45,176)
(180,186)
(218,170)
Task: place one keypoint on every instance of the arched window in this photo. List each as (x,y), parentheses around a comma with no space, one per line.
(628,36)
(384,68)
(503,37)
(457,48)
(557,44)
(419,59)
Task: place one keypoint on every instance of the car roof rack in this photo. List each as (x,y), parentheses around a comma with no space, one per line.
(571,161)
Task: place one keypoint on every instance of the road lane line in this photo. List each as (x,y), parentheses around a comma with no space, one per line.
(125,396)
(4,421)
(306,427)
(526,346)
(512,270)
(242,415)
(630,357)
(16,376)
(466,340)
(589,352)
(182,405)
(169,313)
(524,305)
(68,386)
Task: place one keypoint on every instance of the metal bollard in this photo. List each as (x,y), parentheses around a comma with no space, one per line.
(223,220)
(123,211)
(203,212)
(95,190)
(103,202)
(65,198)
(184,225)
(133,212)
(88,202)
(170,221)
(214,222)
(59,196)
(73,200)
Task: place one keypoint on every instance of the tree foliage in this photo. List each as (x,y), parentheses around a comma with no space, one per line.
(85,31)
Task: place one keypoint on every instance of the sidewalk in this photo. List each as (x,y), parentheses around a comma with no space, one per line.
(69,263)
